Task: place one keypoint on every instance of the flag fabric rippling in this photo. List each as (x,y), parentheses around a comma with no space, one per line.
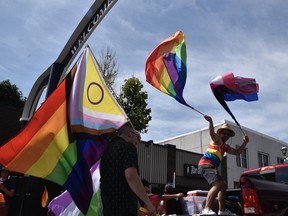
(44,138)
(229,88)
(90,91)
(50,147)
(166,67)
(64,205)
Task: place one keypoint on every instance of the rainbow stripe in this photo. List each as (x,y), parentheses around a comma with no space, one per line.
(213,155)
(41,141)
(43,149)
(166,67)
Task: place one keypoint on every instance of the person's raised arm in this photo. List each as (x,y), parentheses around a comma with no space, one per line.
(212,133)
(137,187)
(172,196)
(239,150)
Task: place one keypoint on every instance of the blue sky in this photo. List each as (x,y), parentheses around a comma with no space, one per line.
(247,37)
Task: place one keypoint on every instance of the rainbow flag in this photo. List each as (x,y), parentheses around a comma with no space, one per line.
(229,88)
(50,147)
(166,67)
(43,147)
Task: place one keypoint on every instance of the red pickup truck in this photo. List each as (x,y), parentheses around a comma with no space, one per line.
(261,191)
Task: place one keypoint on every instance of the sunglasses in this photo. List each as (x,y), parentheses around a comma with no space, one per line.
(226,133)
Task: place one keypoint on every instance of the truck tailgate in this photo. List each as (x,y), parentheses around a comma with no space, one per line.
(273,196)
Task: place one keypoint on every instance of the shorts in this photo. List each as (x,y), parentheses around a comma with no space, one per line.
(210,173)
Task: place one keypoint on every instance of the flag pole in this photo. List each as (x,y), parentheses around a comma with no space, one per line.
(195,109)
(237,123)
(242,130)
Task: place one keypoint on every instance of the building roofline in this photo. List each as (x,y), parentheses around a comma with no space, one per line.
(219,124)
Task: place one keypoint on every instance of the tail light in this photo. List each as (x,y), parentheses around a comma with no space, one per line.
(250,201)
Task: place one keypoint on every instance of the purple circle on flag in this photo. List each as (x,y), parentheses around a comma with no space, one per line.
(101,90)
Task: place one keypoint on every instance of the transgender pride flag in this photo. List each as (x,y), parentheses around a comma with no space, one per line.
(93,109)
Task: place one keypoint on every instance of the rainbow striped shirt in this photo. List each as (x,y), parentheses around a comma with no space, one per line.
(213,155)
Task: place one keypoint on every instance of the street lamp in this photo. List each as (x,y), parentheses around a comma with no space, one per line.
(284,152)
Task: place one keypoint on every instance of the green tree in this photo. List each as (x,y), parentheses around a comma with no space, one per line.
(133,100)
(10,95)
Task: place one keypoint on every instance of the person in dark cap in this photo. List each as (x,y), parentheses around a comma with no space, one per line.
(211,160)
(7,187)
(159,200)
(172,206)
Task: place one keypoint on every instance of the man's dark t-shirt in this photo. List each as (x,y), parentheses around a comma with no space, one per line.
(117,197)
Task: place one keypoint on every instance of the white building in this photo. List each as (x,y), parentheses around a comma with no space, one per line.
(262,150)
